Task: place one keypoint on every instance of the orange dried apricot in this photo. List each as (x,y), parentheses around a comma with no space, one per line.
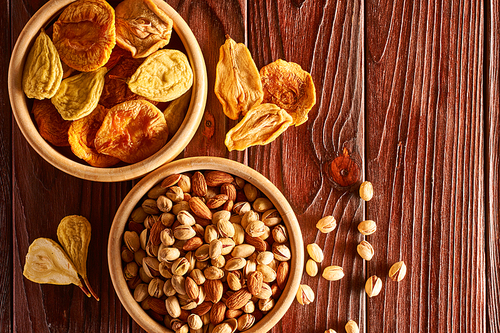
(132,131)
(287,85)
(142,27)
(84,34)
(51,125)
(81,139)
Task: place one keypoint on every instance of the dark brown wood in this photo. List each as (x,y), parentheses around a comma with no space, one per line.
(492,144)
(424,139)
(425,156)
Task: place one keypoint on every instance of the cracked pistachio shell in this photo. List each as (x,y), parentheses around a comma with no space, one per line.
(261,125)
(42,73)
(164,76)
(78,95)
(305,295)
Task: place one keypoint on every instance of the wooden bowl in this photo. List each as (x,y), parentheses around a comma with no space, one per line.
(189,165)
(174,146)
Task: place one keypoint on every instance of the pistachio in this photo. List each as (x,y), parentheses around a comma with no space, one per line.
(262,204)
(271,217)
(233,281)
(397,272)
(179,284)
(249,307)
(265,291)
(266,304)
(131,239)
(218,262)
(367,227)
(149,206)
(311,268)
(305,295)
(256,228)
(175,194)
(164,204)
(333,273)
(180,206)
(241,208)
(197,276)
(373,286)
(225,228)
(167,254)
(227,245)
(243,251)
(315,252)
(144,276)
(167,219)
(351,327)
(173,307)
(184,232)
(202,253)
(185,183)
(365,250)
(168,288)
(215,249)
(366,191)
(211,233)
(326,224)
(268,273)
(194,321)
(155,288)
(249,217)
(282,252)
(222,328)
(330,331)
(141,292)
(180,266)
(251,192)
(127,255)
(213,273)
(165,271)
(245,322)
(151,266)
(265,257)
(239,234)
(279,234)
(185,218)
(138,215)
(139,255)
(220,215)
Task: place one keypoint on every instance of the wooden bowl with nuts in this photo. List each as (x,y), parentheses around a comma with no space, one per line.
(65,89)
(205,242)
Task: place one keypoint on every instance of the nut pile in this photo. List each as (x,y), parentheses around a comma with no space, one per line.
(206,251)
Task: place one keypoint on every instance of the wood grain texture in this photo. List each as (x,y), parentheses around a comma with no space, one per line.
(326,39)
(425,156)
(492,137)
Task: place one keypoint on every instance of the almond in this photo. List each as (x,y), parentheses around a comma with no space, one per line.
(255,280)
(229,190)
(217,201)
(170,180)
(217,178)
(199,208)
(158,306)
(154,235)
(192,289)
(218,313)
(238,299)
(192,244)
(258,243)
(198,184)
(213,290)
(202,309)
(282,274)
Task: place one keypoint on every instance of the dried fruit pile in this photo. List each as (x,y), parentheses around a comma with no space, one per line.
(206,251)
(98,84)
(279,96)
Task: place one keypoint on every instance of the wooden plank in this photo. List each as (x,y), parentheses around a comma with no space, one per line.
(425,156)
(326,39)
(492,167)
(5,181)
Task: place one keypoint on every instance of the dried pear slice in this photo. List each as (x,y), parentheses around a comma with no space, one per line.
(46,262)
(163,76)
(132,131)
(237,82)
(84,34)
(142,27)
(73,233)
(50,124)
(78,95)
(290,87)
(81,136)
(176,111)
(260,126)
(43,72)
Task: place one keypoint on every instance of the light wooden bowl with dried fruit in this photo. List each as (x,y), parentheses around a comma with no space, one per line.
(72,165)
(190,165)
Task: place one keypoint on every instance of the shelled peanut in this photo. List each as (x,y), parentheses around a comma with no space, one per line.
(206,251)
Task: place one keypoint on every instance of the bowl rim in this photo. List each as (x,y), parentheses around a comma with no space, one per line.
(194,164)
(172,148)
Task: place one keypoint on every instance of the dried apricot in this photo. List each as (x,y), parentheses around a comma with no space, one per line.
(142,27)
(84,34)
(237,82)
(287,85)
(163,76)
(78,95)
(176,111)
(260,126)
(43,72)
(51,126)
(132,131)
(81,139)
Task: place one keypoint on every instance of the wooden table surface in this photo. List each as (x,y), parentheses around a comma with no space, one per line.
(407,91)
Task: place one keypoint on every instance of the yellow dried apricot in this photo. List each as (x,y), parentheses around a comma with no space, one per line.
(81,139)
(51,126)
(78,95)
(287,85)
(84,34)
(142,27)
(132,131)
(43,72)
(237,82)
(163,76)
(260,126)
